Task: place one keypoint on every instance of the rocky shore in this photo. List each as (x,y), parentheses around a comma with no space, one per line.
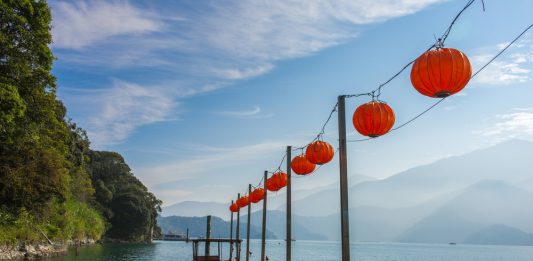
(38,250)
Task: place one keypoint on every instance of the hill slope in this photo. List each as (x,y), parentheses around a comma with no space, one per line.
(480,205)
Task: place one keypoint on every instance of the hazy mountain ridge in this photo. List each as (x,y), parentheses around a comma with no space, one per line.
(197,209)
(197,227)
(500,234)
(482,204)
(449,200)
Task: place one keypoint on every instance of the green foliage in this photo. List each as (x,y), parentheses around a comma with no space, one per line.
(50,180)
(128,205)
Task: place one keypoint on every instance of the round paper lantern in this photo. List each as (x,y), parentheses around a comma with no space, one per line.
(271,186)
(373,119)
(242,201)
(257,195)
(234,207)
(441,72)
(277,181)
(319,152)
(301,166)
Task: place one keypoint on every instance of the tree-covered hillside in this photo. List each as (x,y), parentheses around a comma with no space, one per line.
(50,180)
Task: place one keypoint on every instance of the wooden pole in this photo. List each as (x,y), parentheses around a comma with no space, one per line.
(237,236)
(263,230)
(208,236)
(248,224)
(289,218)
(231,235)
(343,166)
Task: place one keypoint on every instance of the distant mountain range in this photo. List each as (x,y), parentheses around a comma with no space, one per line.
(197,209)
(471,198)
(197,227)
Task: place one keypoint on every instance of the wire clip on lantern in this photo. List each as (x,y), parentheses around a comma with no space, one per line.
(277,181)
(441,72)
(242,201)
(257,195)
(373,119)
(234,207)
(301,166)
(319,152)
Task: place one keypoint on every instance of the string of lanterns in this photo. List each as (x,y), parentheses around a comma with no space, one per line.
(439,72)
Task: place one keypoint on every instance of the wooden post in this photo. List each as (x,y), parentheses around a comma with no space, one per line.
(231,235)
(343,166)
(237,236)
(289,221)
(187,236)
(263,230)
(208,236)
(248,224)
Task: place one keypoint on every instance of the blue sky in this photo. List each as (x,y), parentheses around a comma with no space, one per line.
(202,96)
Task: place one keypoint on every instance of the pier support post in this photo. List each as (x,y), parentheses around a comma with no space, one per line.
(289,217)
(231,235)
(248,224)
(237,236)
(343,166)
(208,236)
(263,229)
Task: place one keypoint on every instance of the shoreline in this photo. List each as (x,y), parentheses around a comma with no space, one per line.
(33,251)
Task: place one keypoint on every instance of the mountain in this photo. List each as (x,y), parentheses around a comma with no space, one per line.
(500,234)
(509,161)
(277,223)
(197,209)
(480,205)
(197,227)
(329,189)
(368,223)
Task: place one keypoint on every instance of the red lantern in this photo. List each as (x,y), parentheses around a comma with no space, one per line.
(319,152)
(271,186)
(242,201)
(373,119)
(440,73)
(257,195)
(277,181)
(234,207)
(301,166)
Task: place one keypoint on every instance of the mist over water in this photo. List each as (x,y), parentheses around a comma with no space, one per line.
(310,251)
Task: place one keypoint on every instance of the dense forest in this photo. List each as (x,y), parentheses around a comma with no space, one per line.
(51,182)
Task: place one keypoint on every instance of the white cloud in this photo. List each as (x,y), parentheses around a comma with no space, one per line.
(239,74)
(517,124)
(252,113)
(513,67)
(80,23)
(124,107)
(213,159)
(206,49)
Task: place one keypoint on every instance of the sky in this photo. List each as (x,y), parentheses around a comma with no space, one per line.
(200,97)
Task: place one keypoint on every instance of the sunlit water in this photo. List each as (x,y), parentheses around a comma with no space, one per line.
(310,251)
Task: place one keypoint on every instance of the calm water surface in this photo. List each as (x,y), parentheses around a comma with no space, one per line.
(311,251)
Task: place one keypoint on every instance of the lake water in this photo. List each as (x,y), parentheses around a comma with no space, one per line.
(310,251)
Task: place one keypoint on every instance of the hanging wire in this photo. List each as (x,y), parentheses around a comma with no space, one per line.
(323,130)
(449,29)
(438,43)
(503,50)
(377,92)
(473,75)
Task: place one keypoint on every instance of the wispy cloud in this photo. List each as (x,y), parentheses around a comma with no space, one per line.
(81,23)
(206,49)
(211,160)
(122,108)
(252,113)
(517,124)
(515,67)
